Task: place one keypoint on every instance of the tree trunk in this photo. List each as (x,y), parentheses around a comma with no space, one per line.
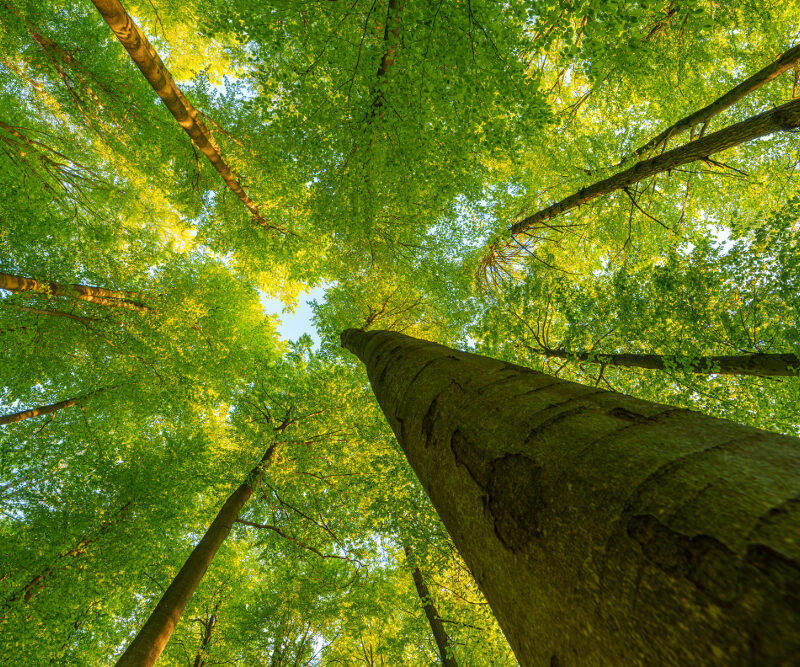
(205,637)
(743,364)
(155,633)
(435,621)
(785,117)
(49,409)
(159,78)
(602,529)
(97,295)
(777,67)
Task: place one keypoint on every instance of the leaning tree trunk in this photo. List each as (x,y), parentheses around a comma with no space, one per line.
(49,409)
(602,529)
(785,117)
(440,635)
(784,62)
(155,633)
(158,76)
(762,365)
(98,295)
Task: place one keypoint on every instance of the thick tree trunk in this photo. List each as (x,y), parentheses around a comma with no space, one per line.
(777,67)
(785,117)
(155,633)
(49,409)
(742,364)
(159,78)
(434,620)
(602,529)
(97,295)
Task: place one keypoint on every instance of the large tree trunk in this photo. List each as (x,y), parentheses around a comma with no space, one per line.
(97,295)
(49,409)
(740,364)
(602,529)
(155,633)
(785,117)
(777,67)
(159,78)
(434,620)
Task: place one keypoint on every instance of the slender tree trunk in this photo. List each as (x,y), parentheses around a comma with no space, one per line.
(50,409)
(391,39)
(777,67)
(785,117)
(155,633)
(434,620)
(97,295)
(742,364)
(602,529)
(205,637)
(159,78)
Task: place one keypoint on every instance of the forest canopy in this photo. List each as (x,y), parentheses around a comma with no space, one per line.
(605,191)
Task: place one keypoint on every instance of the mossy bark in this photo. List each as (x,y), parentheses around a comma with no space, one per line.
(602,529)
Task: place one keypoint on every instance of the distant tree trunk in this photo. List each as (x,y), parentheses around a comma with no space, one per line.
(742,364)
(777,67)
(97,295)
(159,78)
(434,620)
(602,529)
(785,117)
(155,633)
(49,409)
(205,637)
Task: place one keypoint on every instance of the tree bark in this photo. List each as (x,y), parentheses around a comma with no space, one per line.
(160,79)
(772,365)
(97,295)
(49,409)
(602,529)
(155,633)
(434,620)
(785,117)
(777,67)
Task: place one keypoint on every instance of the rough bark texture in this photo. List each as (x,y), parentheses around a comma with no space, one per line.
(159,78)
(785,117)
(97,295)
(777,67)
(602,529)
(155,633)
(49,409)
(440,635)
(742,364)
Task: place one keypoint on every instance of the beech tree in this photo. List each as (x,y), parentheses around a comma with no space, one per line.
(587,516)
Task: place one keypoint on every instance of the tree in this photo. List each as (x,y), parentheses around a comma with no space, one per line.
(151,639)
(434,620)
(588,516)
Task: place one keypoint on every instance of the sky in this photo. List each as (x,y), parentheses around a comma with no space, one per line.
(293,325)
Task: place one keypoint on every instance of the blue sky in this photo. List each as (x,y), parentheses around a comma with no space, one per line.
(293,325)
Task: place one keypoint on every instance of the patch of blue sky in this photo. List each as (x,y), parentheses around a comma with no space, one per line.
(294,323)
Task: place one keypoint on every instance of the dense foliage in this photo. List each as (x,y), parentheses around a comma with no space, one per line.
(390,145)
